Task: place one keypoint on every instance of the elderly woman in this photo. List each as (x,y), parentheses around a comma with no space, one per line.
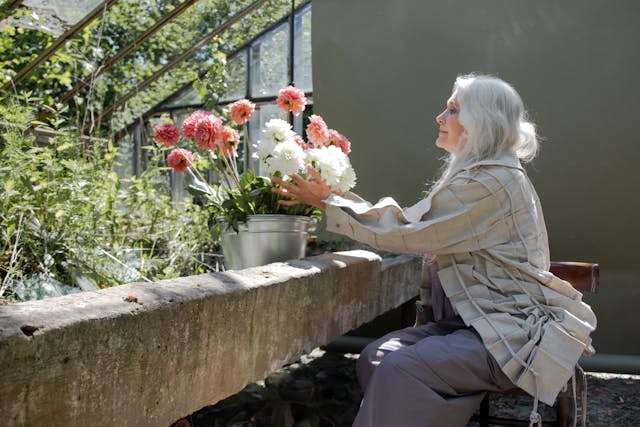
(502,319)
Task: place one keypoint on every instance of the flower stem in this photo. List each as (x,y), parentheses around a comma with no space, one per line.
(247,156)
(231,168)
(221,171)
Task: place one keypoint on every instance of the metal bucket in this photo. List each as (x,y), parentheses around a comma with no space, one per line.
(264,239)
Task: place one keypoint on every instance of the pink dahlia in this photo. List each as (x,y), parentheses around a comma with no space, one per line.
(166,134)
(241,111)
(301,143)
(189,124)
(339,140)
(230,141)
(180,159)
(317,131)
(209,132)
(291,99)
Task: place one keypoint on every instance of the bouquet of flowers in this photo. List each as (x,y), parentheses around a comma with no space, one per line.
(282,152)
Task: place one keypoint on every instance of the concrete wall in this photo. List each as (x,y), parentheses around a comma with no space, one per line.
(383,69)
(148,354)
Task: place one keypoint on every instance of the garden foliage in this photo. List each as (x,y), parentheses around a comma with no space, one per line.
(115,30)
(66,216)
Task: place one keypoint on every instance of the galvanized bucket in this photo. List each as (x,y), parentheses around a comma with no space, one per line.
(264,239)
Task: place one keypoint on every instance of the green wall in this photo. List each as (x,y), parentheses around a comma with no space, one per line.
(383,69)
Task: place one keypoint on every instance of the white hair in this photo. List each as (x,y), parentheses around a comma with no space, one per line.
(495,122)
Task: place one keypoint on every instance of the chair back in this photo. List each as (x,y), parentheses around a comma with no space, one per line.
(584,276)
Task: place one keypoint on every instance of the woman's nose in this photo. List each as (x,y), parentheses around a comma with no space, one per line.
(440,119)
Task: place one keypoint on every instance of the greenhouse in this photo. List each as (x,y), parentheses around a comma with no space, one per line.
(318,213)
(252,50)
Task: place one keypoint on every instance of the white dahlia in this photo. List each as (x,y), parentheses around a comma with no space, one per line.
(334,166)
(287,158)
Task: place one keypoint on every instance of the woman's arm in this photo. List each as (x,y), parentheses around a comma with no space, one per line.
(462,216)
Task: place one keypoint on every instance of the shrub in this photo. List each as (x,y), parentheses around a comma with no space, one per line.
(66,216)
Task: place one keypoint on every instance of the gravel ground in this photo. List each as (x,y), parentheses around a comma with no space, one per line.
(321,390)
(613,400)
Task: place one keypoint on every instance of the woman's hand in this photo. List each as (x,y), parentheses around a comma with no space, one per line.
(310,192)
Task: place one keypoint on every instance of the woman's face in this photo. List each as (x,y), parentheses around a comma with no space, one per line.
(449,128)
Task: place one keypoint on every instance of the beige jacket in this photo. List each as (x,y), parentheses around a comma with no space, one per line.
(487,228)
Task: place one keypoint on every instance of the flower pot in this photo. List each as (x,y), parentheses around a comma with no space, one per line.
(264,239)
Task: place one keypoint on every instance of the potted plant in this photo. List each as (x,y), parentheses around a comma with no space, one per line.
(254,229)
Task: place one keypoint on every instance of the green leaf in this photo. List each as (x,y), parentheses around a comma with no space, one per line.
(63,147)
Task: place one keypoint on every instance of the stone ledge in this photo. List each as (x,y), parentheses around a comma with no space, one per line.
(151,353)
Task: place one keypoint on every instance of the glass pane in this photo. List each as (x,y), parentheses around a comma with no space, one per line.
(301,121)
(172,40)
(178,181)
(188,98)
(262,115)
(178,187)
(239,34)
(148,144)
(237,77)
(33,28)
(270,62)
(68,11)
(124,166)
(53,16)
(302,50)
(161,89)
(179,116)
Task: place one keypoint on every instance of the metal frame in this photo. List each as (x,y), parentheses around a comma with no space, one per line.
(179,58)
(291,40)
(14,4)
(28,69)
(109,62)
(254,99)
(155,109)
(139,128)
(138,138)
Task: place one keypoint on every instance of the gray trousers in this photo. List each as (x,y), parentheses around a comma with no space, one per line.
(432,375)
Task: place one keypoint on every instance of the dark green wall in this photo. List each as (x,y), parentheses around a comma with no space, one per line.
(383,69)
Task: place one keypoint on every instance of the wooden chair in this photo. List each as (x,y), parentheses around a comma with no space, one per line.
(585,277)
